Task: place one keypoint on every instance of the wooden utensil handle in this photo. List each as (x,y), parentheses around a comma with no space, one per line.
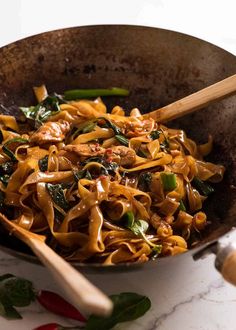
(228,268)
(195,101)
(82,294)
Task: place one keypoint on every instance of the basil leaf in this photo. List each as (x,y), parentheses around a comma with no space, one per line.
(110,167)
(83,174)
(18,291)
(128,306)
(154,135)
(57,194)
(43,164)
(7,168)
(122,139)
(42,111)
(86,127)
(2,204)
(144,181)
(14,291)
(1,136)
(10,153)
(4,179)
(89,127)
(139,227)
(203,187)
(115,128)
(7,310)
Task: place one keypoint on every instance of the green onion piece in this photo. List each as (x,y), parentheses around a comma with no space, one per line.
(122,139)
(203,187)
(168,181)
(90,93)
(182,206)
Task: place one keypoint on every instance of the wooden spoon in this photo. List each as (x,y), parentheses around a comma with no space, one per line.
(195,101)
(83,294)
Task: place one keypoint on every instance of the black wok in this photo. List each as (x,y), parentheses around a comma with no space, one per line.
(158,67)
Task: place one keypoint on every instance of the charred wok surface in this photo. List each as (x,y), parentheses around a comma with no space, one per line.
(157,66)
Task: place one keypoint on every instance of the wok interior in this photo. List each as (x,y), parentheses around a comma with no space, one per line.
(157,66)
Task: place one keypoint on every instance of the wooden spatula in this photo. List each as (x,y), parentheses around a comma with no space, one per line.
(195,101)
(81,293)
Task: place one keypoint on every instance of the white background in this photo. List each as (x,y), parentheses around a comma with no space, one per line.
(212,20)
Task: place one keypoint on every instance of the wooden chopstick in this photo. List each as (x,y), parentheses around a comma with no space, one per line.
(195,101)
(81,293)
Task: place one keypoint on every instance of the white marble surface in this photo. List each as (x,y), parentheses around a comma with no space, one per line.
(185,295)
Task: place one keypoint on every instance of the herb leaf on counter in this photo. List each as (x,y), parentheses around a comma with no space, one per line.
(14,292)
(128,306)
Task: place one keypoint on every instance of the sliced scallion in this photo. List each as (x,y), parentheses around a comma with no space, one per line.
(90,93)
(168,181)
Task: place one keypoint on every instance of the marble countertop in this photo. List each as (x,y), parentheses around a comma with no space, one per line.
(185,295)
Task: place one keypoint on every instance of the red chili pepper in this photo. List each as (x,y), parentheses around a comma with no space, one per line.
(49,326)
(58,305)
(55,326)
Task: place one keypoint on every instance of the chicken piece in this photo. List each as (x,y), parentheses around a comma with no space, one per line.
(119,154)
(86,150)
(51,132)
(123,155)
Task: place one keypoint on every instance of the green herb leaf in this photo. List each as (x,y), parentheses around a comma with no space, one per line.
(1,136)
(16,140)
(109,167)
(43,164)
(136,226)
(89,127)
(7,310)
(2,204)
(154,135)
(7,168)
(57,194)
(182,206)
(139,227)
(10,153)
(115,128)
(18,290)
(4,179)
(42,111)
(122,139)
(168,181)
(75,94)
(144,181)
(14,291)
(165,144)
(83,174)
(203,187)
(128,306)
(86,127)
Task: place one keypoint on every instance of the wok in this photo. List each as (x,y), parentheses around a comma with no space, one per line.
(158,67)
